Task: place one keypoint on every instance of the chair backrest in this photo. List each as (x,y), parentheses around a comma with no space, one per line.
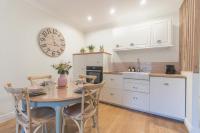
(90,78)
(20,95)
(90,96)
(38,79)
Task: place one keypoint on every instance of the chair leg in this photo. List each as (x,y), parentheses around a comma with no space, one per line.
(94,121)
(18,127)
(37,128)
(82,126)
(97,122)
(63,125)
(45,128)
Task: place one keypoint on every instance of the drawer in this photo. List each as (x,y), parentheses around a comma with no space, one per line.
(113,81)
(112,96)
(136,85)
(136,100)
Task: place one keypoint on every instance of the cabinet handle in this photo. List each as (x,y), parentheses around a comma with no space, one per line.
(112,79)
(132,44)
(166,84)
(135,98)
(135,87)
(159,41)
(111,94)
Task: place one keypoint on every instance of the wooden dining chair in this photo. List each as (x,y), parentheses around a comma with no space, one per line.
(38,79)
(31,120)
(88,108)
(91,78)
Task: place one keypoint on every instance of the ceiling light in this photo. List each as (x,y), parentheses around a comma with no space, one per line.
(143,2)
(89,18)
(112,11)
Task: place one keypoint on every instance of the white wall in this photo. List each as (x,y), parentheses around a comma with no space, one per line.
(20,54)
(105,37)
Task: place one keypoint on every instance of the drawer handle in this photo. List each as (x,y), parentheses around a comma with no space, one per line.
(159,41)
(111,94)
(112,79)
(132,44)
(166,84)
(135,87)
(135,98)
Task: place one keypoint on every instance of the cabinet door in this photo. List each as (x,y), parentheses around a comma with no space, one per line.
(167,97)
(161,33)
(94,59)
(136,85)
(111,95)
(79,66)
(136,100)
(132,36)
(138,36)
(113,81)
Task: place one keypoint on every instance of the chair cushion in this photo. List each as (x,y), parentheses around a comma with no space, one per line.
(75,110)
(42,114)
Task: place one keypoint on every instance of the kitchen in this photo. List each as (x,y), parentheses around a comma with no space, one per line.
(146,51)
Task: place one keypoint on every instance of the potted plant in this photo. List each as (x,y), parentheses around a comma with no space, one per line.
(101,48)
(63,70)
(91,48)
(82,50)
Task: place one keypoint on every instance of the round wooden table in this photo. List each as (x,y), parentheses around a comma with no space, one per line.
(57,98)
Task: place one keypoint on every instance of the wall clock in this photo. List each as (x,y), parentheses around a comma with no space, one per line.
(51,42)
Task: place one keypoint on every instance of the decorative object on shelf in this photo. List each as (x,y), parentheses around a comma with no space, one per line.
(101,48)
(82,50)
(51,42)
(91,48)
(63,70)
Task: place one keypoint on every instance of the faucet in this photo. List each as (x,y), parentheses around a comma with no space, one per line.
(138,65)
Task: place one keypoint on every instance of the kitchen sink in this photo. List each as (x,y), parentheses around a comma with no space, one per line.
(136,75)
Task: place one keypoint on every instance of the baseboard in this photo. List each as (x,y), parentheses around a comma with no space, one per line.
(188,125)
(6,117)
(190,128)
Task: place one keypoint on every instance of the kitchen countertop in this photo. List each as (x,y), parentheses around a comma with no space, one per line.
(116,73)
(152,74)
(166,75)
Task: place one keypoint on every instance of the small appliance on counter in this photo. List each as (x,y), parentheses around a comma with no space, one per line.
(170,69)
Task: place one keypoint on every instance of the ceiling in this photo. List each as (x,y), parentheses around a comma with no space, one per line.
(75,12)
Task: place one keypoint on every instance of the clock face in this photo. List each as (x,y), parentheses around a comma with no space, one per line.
(51,42)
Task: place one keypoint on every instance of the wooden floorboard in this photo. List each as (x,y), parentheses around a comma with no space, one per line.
(117,120)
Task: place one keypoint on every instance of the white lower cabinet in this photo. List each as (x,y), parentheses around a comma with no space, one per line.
(167,97)
(159,95)
(136,100)
(112,95)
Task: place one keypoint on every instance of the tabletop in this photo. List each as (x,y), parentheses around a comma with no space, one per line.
(58,94)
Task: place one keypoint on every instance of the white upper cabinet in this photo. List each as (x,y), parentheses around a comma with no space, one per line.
(79,65)
(94,59)
(133,36)
(149,35)
(161,33)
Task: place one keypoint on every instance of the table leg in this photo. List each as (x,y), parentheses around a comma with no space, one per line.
(58,119)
